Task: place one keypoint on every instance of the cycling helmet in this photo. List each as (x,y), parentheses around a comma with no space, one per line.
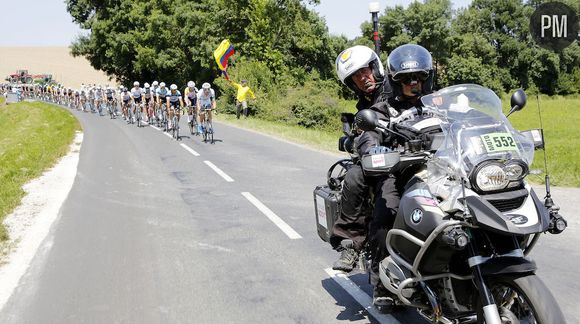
(162,84)
(125,89)
(146,85)
(407,59)
(173,87)
(155,83)
(205,86)
(353,59)
(136,83)
(191,84)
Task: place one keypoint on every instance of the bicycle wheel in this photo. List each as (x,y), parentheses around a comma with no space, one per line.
(210,132)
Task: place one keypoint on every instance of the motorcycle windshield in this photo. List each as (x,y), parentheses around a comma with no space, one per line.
(475,128)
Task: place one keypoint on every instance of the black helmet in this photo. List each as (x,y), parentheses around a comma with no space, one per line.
(410,58)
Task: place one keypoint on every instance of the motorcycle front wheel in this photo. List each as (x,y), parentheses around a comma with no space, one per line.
(523,300)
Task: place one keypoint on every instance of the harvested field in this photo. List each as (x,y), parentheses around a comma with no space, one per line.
(68,70)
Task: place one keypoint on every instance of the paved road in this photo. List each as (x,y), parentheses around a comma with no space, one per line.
(150,233)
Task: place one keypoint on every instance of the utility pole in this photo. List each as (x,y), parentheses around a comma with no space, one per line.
(374,8)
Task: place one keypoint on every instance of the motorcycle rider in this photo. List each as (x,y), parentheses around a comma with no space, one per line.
(410,75)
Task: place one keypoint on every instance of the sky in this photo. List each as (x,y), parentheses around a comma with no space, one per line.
(47,23)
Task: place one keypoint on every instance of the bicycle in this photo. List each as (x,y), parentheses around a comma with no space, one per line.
(192,114)
(138,114)
(207,126)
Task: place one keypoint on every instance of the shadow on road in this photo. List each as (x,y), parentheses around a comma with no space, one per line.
(353,311)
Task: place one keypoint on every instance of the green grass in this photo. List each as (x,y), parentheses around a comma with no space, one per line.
(561,121)
(314,138)
(33,136)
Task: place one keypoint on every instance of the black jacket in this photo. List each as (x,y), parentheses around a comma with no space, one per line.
(386,105)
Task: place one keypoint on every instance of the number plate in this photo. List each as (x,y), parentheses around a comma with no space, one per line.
(499,142)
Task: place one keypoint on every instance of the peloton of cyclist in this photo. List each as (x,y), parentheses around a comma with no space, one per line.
(205,102)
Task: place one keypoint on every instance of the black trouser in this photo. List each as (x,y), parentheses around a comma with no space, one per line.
(352,221)
(387,200)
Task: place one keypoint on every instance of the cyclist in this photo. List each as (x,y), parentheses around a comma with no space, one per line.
(161,95)
(124,99)
(136,96)
(148,96)
(174,102)
(205,102)
(190,94)
(110,98)
(99,95)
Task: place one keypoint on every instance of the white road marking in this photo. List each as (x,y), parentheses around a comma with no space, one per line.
(154,127)
(219,171)
(189,149)
(360,296)
(168,135)
(291,233)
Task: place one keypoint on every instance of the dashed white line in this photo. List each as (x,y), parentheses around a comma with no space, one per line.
(168,135)
(219,171)
(291,233)
(360,296)
(154,127)
(189,149)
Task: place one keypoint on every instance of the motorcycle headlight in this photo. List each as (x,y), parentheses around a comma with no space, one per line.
(491,177)
(516,170)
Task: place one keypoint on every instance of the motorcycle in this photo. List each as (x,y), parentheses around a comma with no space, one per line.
(467,217)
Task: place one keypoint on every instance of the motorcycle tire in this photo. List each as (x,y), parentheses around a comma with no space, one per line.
(536,294)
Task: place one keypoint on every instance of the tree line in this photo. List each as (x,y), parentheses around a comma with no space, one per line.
(283,47)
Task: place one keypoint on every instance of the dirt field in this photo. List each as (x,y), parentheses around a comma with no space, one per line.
(57,61)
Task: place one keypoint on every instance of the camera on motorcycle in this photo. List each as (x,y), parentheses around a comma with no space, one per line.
(345,144)
(517,102)
(366,120)
(347,119)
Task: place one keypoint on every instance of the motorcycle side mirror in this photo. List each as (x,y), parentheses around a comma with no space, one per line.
(517,102)
(366,120)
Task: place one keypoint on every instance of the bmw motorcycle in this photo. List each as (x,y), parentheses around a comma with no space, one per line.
(467,217)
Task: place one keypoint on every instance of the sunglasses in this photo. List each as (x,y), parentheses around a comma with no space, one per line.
(407,78)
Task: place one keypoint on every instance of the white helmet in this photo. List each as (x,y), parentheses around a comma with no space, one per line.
(136,83)
(155,83)
(206,85)
(353,59)
(173,87)
(146,85)
(162,84)
(191,84)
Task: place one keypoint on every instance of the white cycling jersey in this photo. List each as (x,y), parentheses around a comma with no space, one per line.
(205,99)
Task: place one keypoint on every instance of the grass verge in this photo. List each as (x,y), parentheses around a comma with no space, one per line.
(33,136)
(314,138)
(560,116)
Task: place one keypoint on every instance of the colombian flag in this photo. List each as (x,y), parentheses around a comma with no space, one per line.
(222,54)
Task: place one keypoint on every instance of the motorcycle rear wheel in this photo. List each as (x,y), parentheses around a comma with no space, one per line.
(523,300)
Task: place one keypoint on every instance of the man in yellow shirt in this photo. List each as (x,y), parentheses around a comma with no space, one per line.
(241,97)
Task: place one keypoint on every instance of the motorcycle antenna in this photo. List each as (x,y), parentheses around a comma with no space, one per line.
(548,202)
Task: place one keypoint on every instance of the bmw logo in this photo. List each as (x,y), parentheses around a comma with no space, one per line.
(417,216)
